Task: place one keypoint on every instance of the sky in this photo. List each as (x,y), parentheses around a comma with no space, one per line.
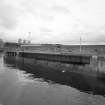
(53,21)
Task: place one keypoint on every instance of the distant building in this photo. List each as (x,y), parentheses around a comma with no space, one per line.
(20,41)
(11,45)
(29,42)
(24,41)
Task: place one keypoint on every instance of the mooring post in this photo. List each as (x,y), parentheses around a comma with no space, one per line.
(95,63)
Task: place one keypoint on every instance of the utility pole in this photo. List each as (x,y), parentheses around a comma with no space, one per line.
(80,45)
(29,37)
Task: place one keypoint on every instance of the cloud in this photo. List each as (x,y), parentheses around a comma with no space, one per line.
(60,9)
(82,1)
(46,30)
(53,20)
(4,36)
(46,10)
(8,14)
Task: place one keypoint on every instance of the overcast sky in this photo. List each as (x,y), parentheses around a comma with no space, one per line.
(53,21)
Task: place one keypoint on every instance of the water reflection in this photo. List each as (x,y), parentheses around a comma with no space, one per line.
(27,85)
(81,82)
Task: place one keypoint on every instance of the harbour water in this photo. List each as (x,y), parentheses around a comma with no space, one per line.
(20,85)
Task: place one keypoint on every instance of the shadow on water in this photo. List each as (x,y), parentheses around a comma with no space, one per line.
(79,81)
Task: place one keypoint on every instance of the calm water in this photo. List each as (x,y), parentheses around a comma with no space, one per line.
(19,86)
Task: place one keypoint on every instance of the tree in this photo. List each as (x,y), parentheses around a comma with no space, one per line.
(1,43)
